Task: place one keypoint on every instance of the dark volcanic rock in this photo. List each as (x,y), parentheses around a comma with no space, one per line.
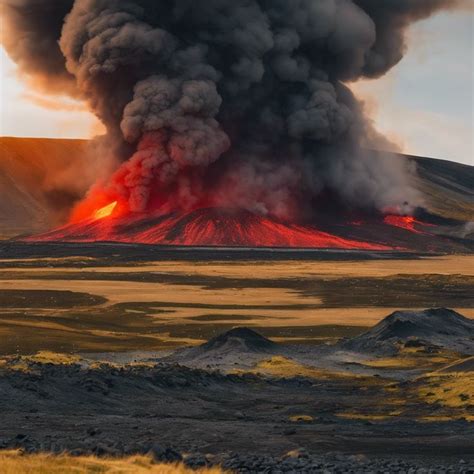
(161,454)
(239,338)
(239,345)
(439,327)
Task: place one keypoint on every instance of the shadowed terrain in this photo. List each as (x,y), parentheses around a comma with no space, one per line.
(265,397)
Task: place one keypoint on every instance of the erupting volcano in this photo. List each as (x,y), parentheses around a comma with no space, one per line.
(229,122)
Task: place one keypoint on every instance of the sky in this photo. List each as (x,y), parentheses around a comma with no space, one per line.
(425,104)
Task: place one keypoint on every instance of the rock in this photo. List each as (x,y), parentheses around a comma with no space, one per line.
(161,454)
(94,431)
(299,453)
(196,461)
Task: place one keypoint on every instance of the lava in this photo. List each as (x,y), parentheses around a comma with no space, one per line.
(203,227)
(404,222)
(105,211)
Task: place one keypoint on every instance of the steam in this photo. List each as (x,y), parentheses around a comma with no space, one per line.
(227,102)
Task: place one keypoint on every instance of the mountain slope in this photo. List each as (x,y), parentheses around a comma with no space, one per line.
(439,327)
(238,347)
(448,187)
(32,198)
(205,227)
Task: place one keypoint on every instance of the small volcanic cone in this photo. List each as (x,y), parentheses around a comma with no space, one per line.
(239,346)
(203,227)
(439,327)
(243,338)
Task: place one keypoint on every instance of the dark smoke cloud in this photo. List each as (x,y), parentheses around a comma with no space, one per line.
(228,102)
(30,33)
(391,18)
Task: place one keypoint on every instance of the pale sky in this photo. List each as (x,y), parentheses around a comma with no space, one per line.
(425,104)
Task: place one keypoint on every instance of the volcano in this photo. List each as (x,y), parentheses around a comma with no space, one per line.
(30,207)
(203,227)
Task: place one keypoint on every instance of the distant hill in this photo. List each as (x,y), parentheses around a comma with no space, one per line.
(448,187)
(440,327)
(239,346)
(30,196)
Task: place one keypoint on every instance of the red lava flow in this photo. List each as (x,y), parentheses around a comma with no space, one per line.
(202,227)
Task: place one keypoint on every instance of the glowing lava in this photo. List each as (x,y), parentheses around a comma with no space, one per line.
(404,222)
(202,227)
(106,211)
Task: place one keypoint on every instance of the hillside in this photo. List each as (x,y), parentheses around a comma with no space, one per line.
(440,327)
(30,169)
(448,187)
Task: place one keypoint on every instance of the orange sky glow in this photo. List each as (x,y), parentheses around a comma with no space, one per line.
(26,113)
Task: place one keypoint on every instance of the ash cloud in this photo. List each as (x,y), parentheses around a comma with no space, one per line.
(227,102)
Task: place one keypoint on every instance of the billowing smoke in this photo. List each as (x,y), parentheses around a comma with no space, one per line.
(227,102)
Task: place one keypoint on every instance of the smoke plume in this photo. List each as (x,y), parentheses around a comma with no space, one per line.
(237,103)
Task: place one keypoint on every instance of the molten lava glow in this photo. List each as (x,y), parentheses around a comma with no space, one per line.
(203,227)
(404,222)
(105,211)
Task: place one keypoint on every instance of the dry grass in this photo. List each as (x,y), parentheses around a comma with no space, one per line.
(21,363)
(392,363)
(13,462)
(454,390)
(365,416)
(446,265)
(413,358)
(283,367)
(48,357)
(301,418)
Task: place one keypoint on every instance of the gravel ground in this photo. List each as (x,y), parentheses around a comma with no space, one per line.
(241,422)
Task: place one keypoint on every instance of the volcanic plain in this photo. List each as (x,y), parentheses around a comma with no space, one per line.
(250,359)
(104,351)
(87,302)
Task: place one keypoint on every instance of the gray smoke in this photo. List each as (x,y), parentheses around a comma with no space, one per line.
(227,102)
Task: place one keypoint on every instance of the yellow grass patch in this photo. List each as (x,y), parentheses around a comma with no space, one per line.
(364,416)
(12,462)
(455,390)
(48,357)
(300,418)
(440,418)
(392,363)
(446,265)
(21,363)
(412,358)
(279,366)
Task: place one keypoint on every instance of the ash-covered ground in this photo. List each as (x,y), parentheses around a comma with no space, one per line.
(304,366)
(183,353)
(390,399)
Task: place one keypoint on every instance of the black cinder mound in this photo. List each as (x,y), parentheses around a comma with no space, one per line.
(239,346)
(239,338)
(438,327)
